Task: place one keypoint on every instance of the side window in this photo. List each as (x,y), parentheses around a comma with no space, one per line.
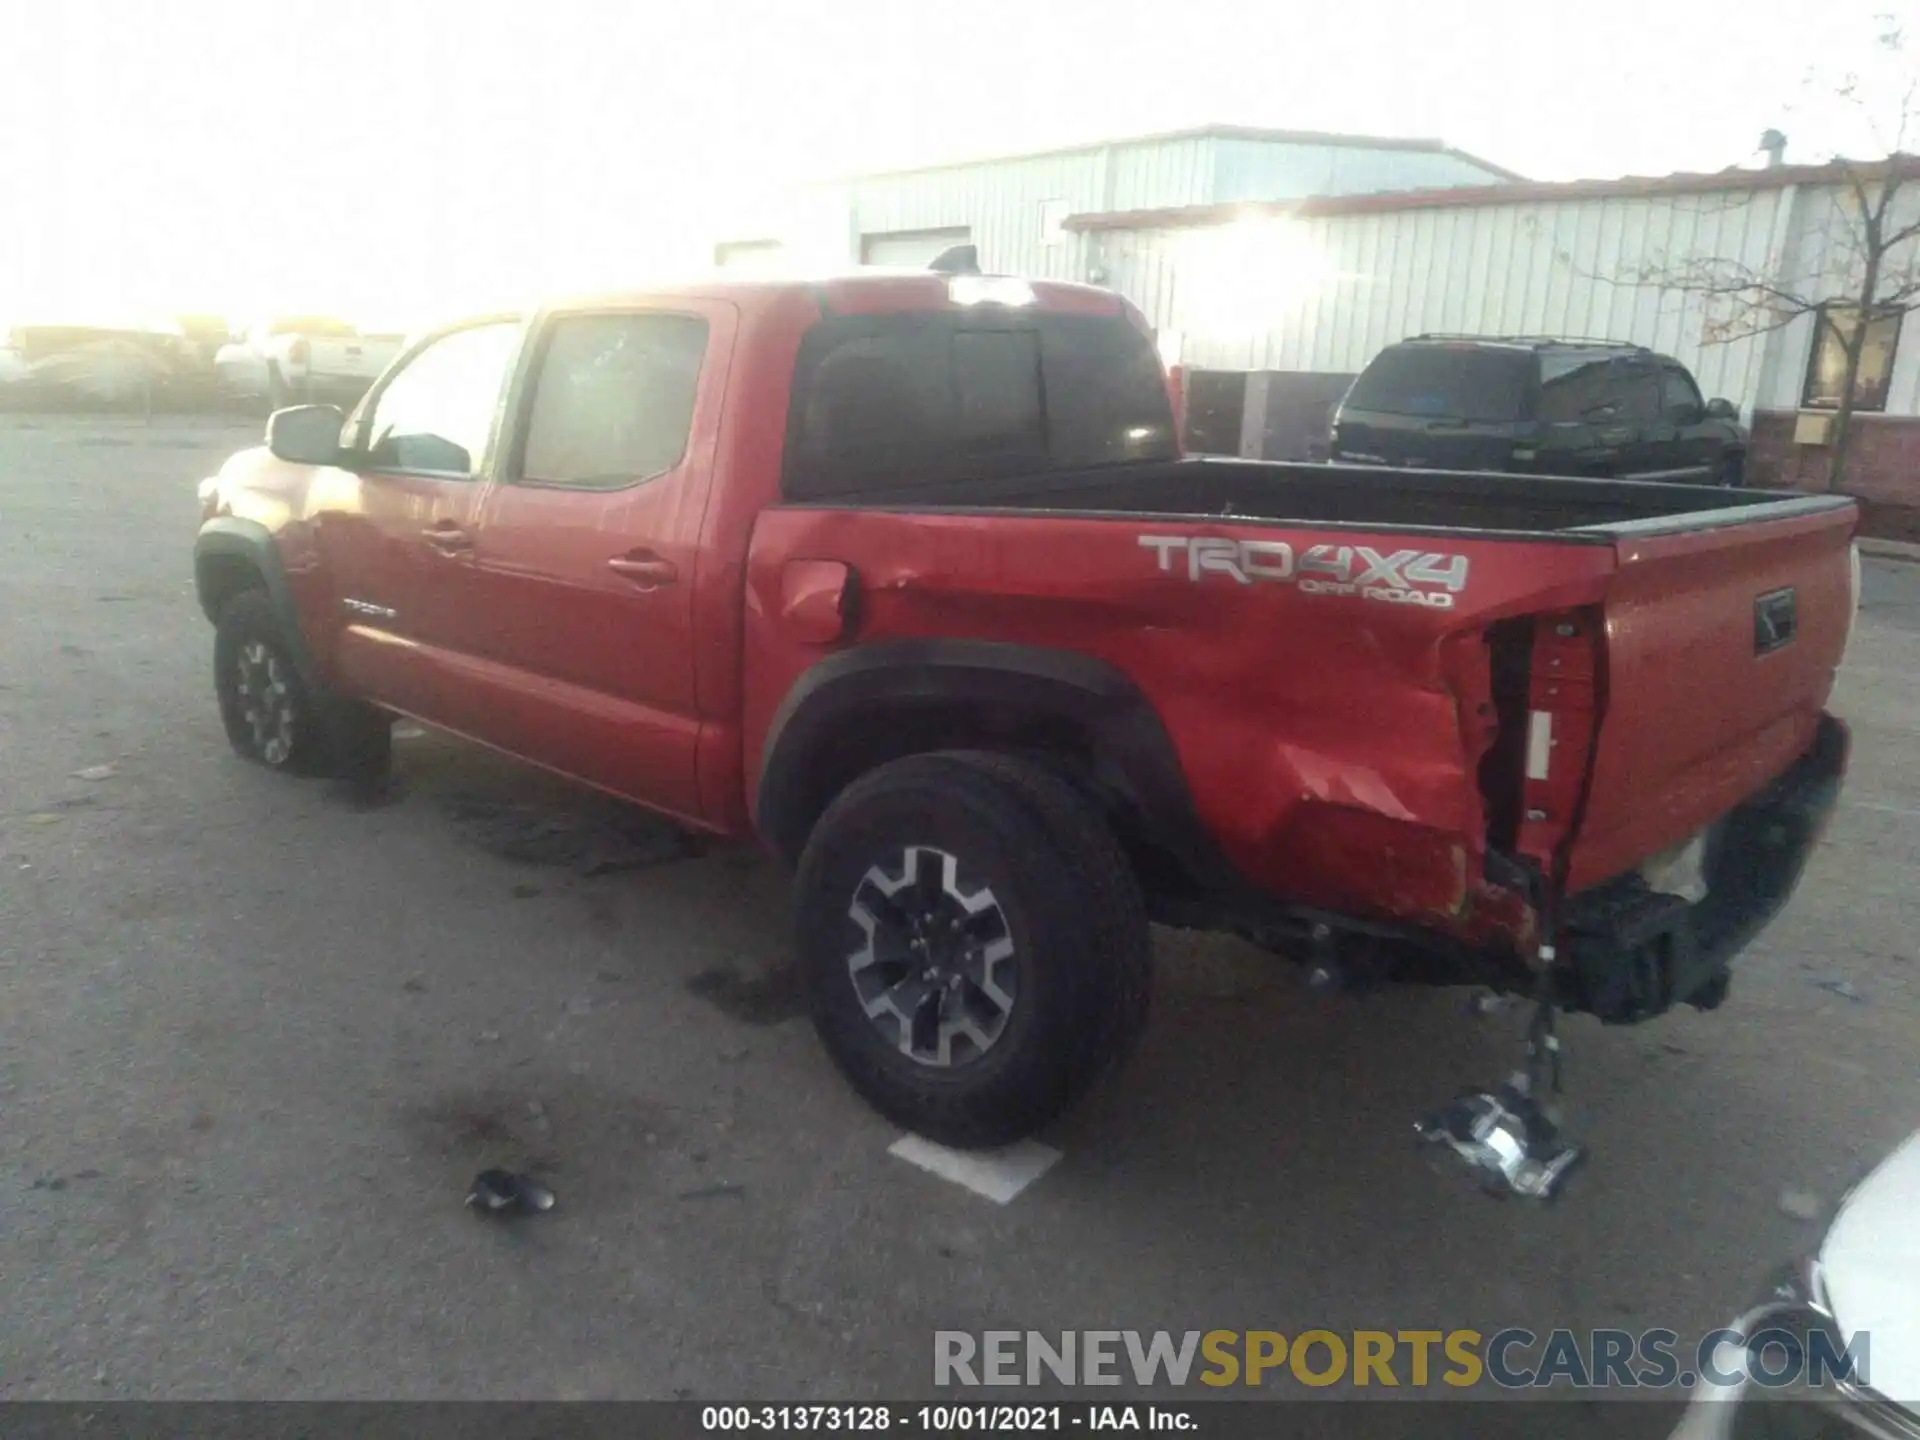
(613,399)
(1636,390)
(1679,396)
(1833,326)
(436,413)
(1571,387)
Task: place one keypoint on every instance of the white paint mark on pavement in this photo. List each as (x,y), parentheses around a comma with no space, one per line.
(997,1174)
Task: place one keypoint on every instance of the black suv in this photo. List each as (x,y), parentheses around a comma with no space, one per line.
(1541,406)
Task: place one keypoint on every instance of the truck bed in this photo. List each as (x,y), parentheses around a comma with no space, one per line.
(1370,497)
(1363,662)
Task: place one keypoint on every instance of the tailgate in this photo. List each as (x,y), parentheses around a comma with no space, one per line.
(1721,646)
(1363,439)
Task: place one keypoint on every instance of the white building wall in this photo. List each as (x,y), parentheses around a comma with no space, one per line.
(1328,293)
(1823,259)
(1003,205)
(1007,204)
(1262,170)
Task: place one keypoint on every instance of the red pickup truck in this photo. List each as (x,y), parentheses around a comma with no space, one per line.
(905,575)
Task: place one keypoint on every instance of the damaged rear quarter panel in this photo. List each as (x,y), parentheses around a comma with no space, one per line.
(1329,741)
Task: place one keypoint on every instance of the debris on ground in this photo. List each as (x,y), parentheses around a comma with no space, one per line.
(1843,988)
(501,1192)
(1801,1205)
(94,772)
(760,998)
(589,838)
(525,892)
(414,986)
(489,1037)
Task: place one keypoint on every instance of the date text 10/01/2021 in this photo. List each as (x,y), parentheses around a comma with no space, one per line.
(944,1419)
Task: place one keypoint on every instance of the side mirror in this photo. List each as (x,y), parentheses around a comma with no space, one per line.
(306,434)
(1687,413)
(1722,410)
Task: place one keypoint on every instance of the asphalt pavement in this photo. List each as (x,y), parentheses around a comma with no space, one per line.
(256,1035)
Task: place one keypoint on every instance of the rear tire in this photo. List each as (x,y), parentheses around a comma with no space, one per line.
(270,715)
(974,944)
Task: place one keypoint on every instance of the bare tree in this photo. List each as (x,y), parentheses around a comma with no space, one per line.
(1867,269)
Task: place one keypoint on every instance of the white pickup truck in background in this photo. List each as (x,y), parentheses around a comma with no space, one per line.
(293,360)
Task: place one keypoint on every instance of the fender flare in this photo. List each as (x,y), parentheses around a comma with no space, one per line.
(230,536)
(1133,758)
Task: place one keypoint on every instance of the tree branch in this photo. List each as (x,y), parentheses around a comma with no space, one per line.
(1900,236)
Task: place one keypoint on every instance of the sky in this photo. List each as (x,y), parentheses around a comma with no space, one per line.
(406,159)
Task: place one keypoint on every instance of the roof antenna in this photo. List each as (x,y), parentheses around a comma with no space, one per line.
(957,260)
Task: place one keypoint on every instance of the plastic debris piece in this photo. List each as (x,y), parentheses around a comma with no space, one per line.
(1843,988)
(501,1192)
(1800,1204)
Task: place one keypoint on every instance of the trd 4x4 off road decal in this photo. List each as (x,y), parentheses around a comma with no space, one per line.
(1406,577)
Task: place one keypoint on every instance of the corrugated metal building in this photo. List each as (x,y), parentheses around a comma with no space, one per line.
(1014,208)
(1275,264)
(1303,294)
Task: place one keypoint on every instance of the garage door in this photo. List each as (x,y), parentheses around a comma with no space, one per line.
(910,249)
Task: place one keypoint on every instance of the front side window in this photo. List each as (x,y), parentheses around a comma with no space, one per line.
(1834,326)
(1637,391)
(435,415)
(1573,387)
(1679,396)
(613,400)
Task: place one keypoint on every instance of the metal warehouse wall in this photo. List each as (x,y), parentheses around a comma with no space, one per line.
(1254,170)
(1820,259)
(1006,204)
(1327,293)
(1002,205)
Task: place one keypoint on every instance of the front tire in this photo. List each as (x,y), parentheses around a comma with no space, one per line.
(974,944)
(270,715)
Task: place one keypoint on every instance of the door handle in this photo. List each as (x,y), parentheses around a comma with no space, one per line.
(447,539)
(647,570)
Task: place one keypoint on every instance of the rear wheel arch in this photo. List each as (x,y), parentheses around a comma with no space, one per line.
(1082,717)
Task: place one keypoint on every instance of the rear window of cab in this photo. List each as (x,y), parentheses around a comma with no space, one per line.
(891,402)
